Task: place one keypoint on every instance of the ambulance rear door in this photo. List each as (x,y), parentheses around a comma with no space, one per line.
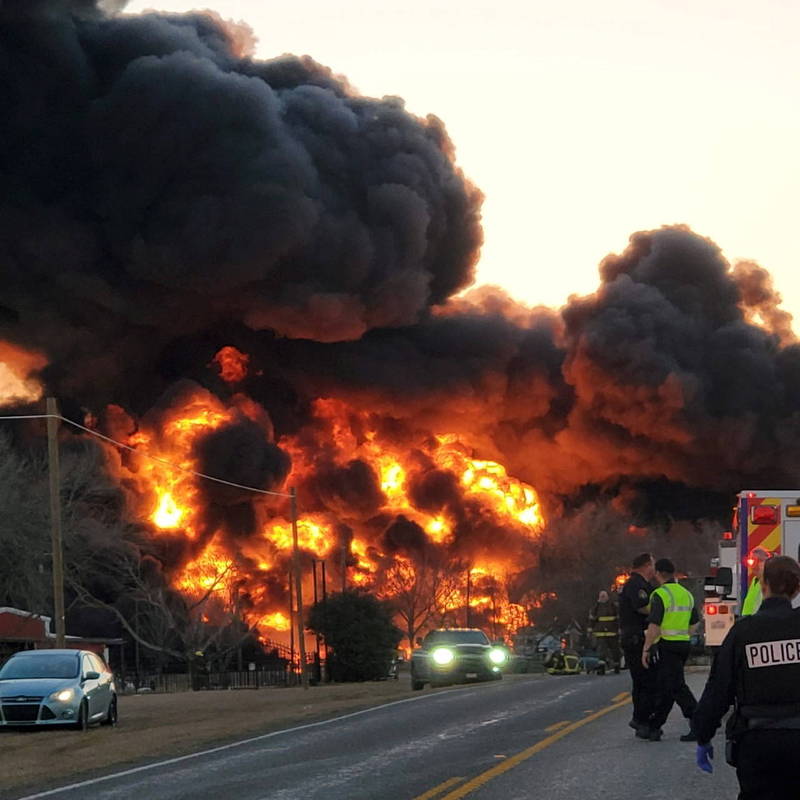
(791,537)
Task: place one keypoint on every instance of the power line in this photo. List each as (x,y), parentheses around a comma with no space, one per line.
(128,447)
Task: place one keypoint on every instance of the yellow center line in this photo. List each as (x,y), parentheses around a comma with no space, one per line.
(437,790)
(620,696)
(555,726)
(504,766)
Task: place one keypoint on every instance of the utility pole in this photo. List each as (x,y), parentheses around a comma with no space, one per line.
(55,520)
(469,571)
(317,658)
(298,577)
(291,621)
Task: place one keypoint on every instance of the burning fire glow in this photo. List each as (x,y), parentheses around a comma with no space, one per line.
(241,570)
(18,383)
(232,364)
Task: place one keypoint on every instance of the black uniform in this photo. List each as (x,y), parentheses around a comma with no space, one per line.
(670,683)
(757,669)
(635,594)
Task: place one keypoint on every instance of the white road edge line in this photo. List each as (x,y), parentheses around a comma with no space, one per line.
(155,765)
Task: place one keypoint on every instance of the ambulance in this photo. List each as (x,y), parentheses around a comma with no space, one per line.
(766,519)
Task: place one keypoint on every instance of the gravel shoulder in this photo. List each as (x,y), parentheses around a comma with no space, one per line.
(157,726)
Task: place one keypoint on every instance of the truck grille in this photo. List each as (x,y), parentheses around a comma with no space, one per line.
(471,650)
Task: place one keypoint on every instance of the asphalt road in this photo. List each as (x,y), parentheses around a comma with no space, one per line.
(523,737)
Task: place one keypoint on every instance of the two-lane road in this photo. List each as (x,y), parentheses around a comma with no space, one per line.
(518,738)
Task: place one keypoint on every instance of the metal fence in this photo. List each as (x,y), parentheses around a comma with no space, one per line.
(184,682)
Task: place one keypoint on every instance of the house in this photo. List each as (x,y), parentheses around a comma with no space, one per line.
(24,630)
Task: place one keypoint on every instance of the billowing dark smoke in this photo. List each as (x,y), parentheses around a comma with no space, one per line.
(157,184)
(166,195)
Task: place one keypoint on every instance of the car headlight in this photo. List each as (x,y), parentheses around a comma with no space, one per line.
(442,656)
(63,695)
(497,655)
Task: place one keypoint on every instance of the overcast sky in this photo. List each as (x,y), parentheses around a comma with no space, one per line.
(582,121)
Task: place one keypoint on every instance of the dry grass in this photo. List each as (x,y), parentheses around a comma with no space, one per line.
(162,725)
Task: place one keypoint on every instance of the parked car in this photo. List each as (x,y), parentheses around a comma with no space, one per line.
(57,687)
(456,655)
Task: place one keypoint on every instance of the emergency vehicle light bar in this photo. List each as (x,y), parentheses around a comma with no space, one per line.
(765,515)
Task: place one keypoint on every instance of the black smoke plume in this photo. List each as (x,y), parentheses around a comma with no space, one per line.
(165,195)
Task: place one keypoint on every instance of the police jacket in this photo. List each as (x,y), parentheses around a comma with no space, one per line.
(635,595)
(604,619)
(757,669)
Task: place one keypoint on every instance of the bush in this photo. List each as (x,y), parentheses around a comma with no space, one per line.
(360,635)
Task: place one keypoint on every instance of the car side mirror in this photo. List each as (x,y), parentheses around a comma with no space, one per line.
(721,583)
(91,676)
(499,643)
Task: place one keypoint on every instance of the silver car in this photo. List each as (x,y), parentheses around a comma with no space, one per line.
(57,687)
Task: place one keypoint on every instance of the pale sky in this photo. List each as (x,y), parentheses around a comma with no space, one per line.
(582,121)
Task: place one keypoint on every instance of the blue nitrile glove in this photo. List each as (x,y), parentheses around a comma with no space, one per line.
(705,754)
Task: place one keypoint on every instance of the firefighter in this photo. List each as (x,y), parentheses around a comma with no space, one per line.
(634,606)
(604,626)
(752,600)
(673,615)
(757,669)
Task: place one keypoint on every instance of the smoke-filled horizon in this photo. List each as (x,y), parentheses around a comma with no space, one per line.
(167,196)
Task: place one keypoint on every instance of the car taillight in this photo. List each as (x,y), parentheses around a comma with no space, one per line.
(723,609)
(750,561)
(727,536)
(711,610)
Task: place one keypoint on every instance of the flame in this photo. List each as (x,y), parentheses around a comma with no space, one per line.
(232,364)
(169,513)
(277,621)
(18,383)
(241,574)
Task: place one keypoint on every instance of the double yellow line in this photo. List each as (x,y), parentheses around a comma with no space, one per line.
(561,729)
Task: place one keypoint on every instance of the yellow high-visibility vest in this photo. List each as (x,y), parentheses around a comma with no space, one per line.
(678,605)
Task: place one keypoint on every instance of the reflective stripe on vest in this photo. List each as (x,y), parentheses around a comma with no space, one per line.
(606,619)
(678,605)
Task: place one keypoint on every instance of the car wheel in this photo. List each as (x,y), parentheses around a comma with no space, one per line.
(112,716)
(416,684)
(82,723)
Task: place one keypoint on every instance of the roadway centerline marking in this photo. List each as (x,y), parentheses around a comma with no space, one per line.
(238,743)
(442,787)
(504,766)
(556,726)
(620,696)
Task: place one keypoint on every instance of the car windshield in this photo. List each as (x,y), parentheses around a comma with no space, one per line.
(455,637)
(61,666)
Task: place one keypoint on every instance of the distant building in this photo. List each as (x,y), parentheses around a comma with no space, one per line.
(24,630)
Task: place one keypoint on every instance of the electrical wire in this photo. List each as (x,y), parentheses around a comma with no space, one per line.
(128,447)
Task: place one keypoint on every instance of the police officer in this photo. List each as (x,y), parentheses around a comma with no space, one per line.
(752,600)
(757,669)
(634,606)
(673,614)
(604,626)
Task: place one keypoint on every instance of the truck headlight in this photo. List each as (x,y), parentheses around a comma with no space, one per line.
(442,656)
(497,655)
(62,695)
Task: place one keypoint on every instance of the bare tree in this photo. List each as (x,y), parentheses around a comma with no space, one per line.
(421,593)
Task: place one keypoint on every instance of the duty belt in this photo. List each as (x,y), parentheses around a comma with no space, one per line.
(770,717)
(768,723)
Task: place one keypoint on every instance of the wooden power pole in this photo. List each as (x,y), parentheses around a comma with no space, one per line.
(298,581)
(55,520)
